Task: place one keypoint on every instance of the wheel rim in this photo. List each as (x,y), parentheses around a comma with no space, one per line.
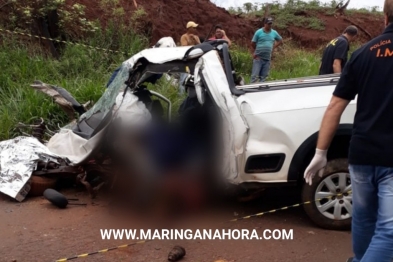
(326,200)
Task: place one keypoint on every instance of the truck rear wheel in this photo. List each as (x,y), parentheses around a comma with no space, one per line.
(331,206)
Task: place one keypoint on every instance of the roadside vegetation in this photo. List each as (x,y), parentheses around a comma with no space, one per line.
(296,12)
(84,72)
(288,61)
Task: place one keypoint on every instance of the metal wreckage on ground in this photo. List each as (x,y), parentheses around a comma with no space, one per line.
(87,145)
(254,136)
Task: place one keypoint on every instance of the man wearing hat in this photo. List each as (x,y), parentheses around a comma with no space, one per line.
(190,38)
(265,40)
(336,52)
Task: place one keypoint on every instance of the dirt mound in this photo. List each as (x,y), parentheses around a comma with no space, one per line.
(160,18)
(169,17)
(369,25)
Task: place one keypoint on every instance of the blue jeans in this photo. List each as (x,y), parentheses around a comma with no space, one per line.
(372,214)
(260,70)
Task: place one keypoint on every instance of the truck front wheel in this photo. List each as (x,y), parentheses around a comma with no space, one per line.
(330,196)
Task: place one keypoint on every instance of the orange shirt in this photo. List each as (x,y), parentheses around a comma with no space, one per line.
(188,40)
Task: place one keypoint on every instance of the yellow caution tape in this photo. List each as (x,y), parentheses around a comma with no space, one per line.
(60,41)
(233,220)
(101,251)
(284,208)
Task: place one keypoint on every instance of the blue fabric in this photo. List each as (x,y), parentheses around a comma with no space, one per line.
(168,145)
(265,42)
(114,74)
(260,70)
(372,213)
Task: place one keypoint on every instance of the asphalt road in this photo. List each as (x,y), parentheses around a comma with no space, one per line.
(35,230)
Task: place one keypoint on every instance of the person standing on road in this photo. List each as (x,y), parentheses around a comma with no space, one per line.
(368,75)
(265,40)
(188,39)
(335,54)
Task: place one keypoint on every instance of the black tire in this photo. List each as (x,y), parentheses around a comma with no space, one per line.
(333,167)
(56,198)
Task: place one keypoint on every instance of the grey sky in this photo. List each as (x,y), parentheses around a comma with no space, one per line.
(353,4)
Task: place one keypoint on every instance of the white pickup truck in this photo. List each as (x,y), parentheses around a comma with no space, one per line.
(264,134)
(270,129)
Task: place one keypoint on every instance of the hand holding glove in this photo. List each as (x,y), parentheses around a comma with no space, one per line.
(317,165)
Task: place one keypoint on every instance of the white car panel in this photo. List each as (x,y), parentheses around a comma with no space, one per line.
(217,83)
(280,121)
(257,123)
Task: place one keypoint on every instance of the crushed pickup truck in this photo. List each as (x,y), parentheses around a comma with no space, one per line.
(264,134)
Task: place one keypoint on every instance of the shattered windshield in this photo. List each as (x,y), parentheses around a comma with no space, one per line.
(108,98)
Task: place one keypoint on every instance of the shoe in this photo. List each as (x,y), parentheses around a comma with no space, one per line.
(350,259)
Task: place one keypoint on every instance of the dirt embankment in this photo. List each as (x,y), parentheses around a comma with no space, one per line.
(369,26)
(169,18)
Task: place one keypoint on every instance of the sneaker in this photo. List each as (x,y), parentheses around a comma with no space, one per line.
(350,259)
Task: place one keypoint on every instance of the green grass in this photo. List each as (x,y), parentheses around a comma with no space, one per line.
(288,62)
(291,13)
(84,72)
(170,91)
(288,17)
(298,13)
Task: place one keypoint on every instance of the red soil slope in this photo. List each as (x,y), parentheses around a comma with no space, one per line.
(169,17)
(369,26)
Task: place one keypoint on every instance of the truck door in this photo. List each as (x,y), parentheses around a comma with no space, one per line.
(210,77)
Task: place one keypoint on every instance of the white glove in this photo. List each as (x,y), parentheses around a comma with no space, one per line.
(317,165)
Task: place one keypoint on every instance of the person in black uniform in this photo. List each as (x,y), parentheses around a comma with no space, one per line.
(336,52)
(367,75)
